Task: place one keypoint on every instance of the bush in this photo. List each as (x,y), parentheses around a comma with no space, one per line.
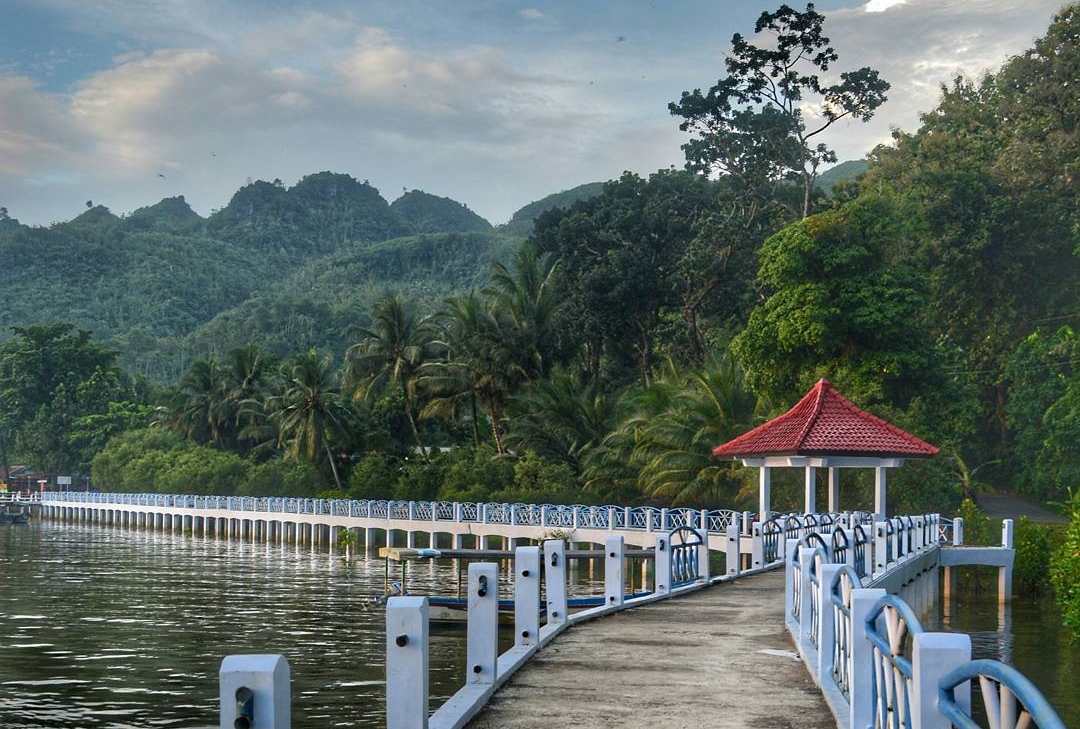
(133,461)
(280,477)
(1031,570)
(203,470)
(373,478)
(475,474)
(1065,569)
(540,481)
(978,529)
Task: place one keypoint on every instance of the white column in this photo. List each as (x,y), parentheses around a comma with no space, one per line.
(733,545)
(406,663)
(663,565)
(806,562)
(764,489)
(879,492)
(810,500)
(614,578)
(757,547)
(526,596)
(482,640)
(934,655)
(255,688)
(703,555)
(826,628)
(555,580)
(862,659)
(834,490)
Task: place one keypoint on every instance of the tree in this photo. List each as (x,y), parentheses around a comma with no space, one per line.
(309,411)
(392,349)
(751,125)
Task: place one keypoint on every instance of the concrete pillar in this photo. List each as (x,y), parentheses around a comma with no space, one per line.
(482,640)
(861,705)
(526,596)
(704,568)
(764,493)
(254,691)
(614,579)
(826,629)
(410,538)
(834,490)
(933,656)
(810,497)
(555,580)
(407,663)
(732,558)
(663,565)
(806,597)
(879,493)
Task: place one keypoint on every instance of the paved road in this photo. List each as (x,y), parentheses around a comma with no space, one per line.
(1003,506)
(718,658)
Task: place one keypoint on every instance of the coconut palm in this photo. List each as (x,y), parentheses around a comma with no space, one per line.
(309,411)
(197,408)
(390,351)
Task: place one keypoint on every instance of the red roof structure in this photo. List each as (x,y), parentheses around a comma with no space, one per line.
(825,423)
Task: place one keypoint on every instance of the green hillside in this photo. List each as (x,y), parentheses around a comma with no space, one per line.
(849,170)
(522,221)
(427,213)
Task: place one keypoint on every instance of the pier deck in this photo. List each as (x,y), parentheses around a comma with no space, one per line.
(717,658)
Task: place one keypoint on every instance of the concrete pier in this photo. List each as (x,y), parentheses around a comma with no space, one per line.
(720,657)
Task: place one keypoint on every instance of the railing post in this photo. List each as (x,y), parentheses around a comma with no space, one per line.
(826,628)
(881,536)
(254,688)
(576,517)
(897,538)
(861,687)
(1005,574)
(663,564)
(665,525)
(626,517)
(933,656)
(526,596)
(704,572)
(806,560)
(611,518)
(789,593)
(1007,533)
(958,531)
(705,521)
(849,553)
(733,550)
(614,579)
(407,663)
(513,515)
(555,580)
(757,547)
(482,641)
(457,512)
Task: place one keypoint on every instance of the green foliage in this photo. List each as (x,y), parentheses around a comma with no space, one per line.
(1065,569)
(279,477)
(521,224)
(130,461)
(978,529)
(426,213)
(1034,545)
(202,470)
(540,481)
(474,474)
(374,477)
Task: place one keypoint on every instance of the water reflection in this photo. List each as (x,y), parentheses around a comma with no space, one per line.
(113,628)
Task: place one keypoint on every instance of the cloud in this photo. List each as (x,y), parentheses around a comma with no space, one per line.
(36,134)
(531,14)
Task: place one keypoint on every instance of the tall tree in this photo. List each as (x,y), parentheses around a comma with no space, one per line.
(751,124)
(390,351)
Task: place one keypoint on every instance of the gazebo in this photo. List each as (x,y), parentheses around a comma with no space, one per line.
(824,430)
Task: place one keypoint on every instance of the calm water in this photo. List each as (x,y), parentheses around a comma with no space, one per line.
(104,627)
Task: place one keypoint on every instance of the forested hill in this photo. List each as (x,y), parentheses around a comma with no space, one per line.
(159,284)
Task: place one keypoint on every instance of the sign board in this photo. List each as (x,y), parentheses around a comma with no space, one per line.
(63,480)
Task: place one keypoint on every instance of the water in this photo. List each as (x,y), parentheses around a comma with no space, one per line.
(1026,633)
(104,627)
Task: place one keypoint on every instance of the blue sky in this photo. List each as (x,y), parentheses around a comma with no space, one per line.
(493,103)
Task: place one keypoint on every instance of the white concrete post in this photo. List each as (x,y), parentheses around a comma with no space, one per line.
(254,692)
(879,492)
(614,579)
(790,576)
(958,531)
(526,596)
(1007,533)
(611,518)
(733,551)
(555,580)
(704,571)
(406,663)
(577,516)
(757,547)
(764,492)
(849,554)
(665,524)
(810,496)
(861,679)
(834,490)
(1005,573)
(663,565)
(747,522)
(483,514)
(806,560)
(934,655)
(897,537)
(705,521)
(457,512)
(826,628)
(881,536)
(482,640)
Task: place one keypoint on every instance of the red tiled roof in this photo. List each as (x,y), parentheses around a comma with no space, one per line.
(825,423)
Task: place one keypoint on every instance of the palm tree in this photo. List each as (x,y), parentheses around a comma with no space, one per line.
(391,350)
(523,300)
(309,411)
(197,409)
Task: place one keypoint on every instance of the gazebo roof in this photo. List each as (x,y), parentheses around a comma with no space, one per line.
(825,423)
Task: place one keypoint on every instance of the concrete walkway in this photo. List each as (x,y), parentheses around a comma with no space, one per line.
(717,658)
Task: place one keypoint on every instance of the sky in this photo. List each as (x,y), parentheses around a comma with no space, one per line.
(492,103)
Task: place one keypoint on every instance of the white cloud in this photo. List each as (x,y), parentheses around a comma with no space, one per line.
(531,14)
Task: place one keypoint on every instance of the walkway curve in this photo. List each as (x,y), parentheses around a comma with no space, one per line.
(720,657)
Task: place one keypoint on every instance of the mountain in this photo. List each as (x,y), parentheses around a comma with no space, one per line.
(522,221)
(844,171)
(427,213)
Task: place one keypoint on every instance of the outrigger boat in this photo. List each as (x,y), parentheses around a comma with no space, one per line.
(454,609)
(14,514)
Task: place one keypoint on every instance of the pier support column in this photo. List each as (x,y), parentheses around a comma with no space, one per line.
(1005,574)
(834,490)
(810,490)
(410,539)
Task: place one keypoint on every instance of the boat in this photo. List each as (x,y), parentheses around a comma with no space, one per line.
(14,514)
(454,610)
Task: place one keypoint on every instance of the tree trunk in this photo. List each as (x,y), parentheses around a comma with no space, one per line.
(689,312)
(333,466)
(412,419)
(494,419)
(4,458)
(646,350)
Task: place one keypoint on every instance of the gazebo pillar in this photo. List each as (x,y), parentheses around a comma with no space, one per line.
(879,492)
(834,490)
(764,489)
(811,490)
